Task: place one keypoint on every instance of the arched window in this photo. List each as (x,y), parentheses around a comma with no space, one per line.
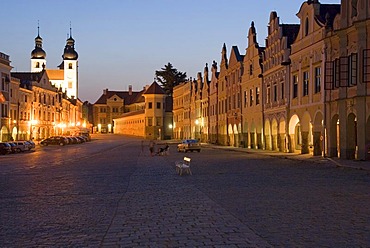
(306,26)
(70,66)
(37,64)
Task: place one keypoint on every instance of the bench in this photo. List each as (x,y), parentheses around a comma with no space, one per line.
(183,166)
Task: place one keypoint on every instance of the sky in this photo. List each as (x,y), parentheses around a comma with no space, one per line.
(123,42)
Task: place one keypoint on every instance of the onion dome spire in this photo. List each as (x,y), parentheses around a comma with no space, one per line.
(38,52)
(69,49)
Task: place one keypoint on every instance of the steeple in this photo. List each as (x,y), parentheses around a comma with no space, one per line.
(38,52)
(38,55)
(69,49)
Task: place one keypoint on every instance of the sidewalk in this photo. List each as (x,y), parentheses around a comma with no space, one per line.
(355,164)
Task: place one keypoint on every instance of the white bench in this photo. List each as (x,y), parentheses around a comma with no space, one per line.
(183,166)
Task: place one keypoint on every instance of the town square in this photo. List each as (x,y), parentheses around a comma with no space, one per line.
(183,124)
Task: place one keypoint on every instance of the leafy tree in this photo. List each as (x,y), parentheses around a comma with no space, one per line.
(169,77)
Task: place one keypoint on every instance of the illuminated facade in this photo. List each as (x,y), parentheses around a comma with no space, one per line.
(148,113)
(40,110)
(5,121)
(306,92)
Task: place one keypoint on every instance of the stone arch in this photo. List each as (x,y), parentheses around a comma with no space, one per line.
(306,133)
(283,137)
(274,135)
(268,136)
(351,136)
(236,135)
(294,136)
(333,142)
(230,138)
(4,133)
(253,136)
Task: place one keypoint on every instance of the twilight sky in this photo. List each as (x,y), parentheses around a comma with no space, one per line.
(123,42)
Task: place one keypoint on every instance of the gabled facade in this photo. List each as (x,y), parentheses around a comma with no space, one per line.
(276,82)
(251,102)
(306,129)
(213,105)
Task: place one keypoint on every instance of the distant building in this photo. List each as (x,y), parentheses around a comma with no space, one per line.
(146,113)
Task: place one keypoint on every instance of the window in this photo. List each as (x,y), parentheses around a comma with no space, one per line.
(353,69)
(275,93)
(70,66)
(37,64)
(150,105)
(158,105)
(70,85)
(295,86)
(250,97)
(306,26)
(4,110)
(282,90)
(317,79)
(245,98)
(158,121)
(305,83)
(268,95)
(257,95)
(150,121)
(251,69)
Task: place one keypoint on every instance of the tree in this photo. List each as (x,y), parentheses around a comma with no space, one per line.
(169,77)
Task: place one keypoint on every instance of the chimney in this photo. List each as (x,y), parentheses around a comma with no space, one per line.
(130,89)
(105,91)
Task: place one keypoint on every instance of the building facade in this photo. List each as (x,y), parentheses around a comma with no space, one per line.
(148,114)
(306,91)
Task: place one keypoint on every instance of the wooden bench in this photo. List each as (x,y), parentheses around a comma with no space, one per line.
(183,166)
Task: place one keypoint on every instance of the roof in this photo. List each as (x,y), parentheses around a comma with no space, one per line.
(55,74)
(154,88)
(290,31)
(136,96)
(25,77)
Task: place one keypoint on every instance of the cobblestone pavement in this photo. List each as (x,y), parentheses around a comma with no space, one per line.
(121,197)
(166,211)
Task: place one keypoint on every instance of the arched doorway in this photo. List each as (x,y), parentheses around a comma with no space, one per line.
(318,136)
(236,136)
(14,133)
(230,138)
(351,136)
(4,134)
(294,138)
(253,137)
(306,134)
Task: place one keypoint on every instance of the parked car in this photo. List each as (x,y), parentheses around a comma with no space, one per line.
(5,148)
(32,144)
(54,140)
(22,146)
(13,147)
(189,145)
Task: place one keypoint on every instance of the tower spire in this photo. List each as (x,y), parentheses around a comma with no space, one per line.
(38,27)
(70,29)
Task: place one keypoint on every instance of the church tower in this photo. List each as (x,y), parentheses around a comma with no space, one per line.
(70,67)
(38,55)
